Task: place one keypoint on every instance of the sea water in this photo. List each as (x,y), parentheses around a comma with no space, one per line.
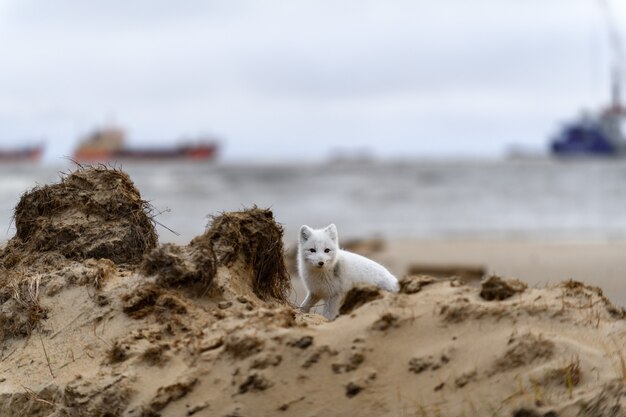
(534,199)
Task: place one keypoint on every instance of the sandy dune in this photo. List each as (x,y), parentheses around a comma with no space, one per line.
(205,330)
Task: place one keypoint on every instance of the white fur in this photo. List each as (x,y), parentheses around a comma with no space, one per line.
(339,271)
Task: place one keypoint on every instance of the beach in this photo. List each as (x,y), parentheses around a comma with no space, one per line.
(539,264)
(99,318)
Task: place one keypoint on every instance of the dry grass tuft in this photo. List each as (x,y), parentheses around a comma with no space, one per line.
(250,236)
(586,296)
(93,212)
(572,375)
(20,309)
(253,236)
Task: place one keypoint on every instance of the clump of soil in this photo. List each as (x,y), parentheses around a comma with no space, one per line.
(251,238)
(177,266)
(255,382)
(412,284)
(93,212)
(243,345)
(167,394)
(254,237)
(496,288)
(349,364)
(419,365)
(155,355)
(30,403)
(359,296)
(150,298)
(385,322)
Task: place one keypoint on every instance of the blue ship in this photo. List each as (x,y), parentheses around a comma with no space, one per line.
(600,134)
(597,135)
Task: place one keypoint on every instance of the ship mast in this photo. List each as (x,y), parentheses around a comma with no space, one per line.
(617,68)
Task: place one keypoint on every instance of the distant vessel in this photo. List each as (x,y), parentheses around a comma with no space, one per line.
(598,134)
(108,144)
(22,154)
(594,135)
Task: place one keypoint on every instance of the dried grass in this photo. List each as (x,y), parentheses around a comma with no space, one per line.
(93,212)
(587,296)
(252,235)
(20,309)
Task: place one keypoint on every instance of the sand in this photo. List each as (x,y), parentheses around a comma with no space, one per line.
(204,330)
(539,263)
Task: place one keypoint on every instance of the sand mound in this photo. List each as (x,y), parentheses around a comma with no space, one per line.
(202,330)
(60,229)
(248,242)
(90,213)
(253,238)
(163,350)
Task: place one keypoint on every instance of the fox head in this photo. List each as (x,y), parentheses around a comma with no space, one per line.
(318,247)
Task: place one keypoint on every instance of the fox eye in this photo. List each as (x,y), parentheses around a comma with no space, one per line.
(312,250)
(326,250)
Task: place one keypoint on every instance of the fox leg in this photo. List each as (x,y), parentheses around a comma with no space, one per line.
(331,308)
(309,302)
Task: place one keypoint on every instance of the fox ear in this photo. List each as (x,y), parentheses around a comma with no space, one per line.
(331,231)
(305,233)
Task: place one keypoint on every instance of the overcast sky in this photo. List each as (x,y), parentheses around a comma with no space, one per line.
(297,79)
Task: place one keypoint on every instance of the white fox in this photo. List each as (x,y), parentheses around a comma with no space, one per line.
(329,272)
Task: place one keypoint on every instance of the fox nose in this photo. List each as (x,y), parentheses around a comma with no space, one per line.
(320,263)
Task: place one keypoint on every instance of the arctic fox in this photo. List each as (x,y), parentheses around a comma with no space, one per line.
(329,272)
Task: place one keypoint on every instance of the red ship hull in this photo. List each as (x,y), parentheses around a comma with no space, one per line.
(32,154)
(196,153)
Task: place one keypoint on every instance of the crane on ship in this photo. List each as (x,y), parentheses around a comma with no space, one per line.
(600,134)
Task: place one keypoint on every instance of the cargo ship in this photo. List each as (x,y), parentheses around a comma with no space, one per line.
(23,154)
(108,145)
(598,134)
(594,134)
